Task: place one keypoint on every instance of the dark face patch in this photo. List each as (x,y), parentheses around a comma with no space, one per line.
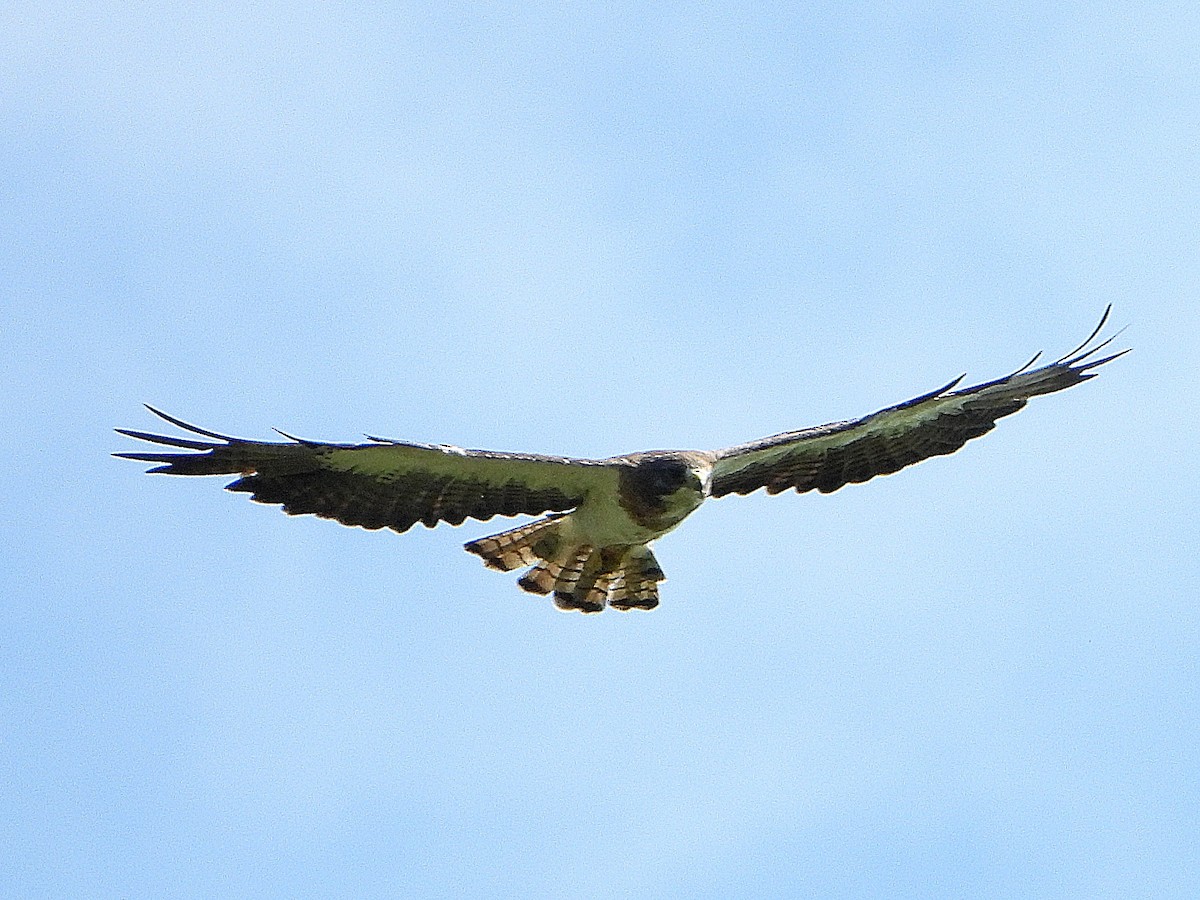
(645,486)
(658,479)
(666,477)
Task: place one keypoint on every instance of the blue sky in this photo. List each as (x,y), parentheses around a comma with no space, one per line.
(589,230)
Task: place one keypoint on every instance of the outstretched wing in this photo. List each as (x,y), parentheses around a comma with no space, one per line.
(383,484)
(829,456)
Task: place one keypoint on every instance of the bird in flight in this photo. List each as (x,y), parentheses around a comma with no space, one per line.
(592,549)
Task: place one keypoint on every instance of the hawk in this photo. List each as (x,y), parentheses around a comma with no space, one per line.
(592,550)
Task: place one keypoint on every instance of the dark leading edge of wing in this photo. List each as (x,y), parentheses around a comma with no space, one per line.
(829,456)
(383,484)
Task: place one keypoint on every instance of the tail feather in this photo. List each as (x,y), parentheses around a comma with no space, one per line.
(637,584)
(546,576)
(581,577)
(541,578)
(578,580)
(519,547)
(595,582)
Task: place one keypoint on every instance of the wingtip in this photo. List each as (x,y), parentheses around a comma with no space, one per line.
(187,426)
(1081,352)
(1028,365)
(948,387)
(299,440)
(1099,362)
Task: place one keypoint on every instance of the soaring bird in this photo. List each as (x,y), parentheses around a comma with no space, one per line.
(593,548)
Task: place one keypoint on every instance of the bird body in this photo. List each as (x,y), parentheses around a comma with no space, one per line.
(592,550)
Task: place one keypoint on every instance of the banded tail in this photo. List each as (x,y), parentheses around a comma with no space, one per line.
(581,577)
